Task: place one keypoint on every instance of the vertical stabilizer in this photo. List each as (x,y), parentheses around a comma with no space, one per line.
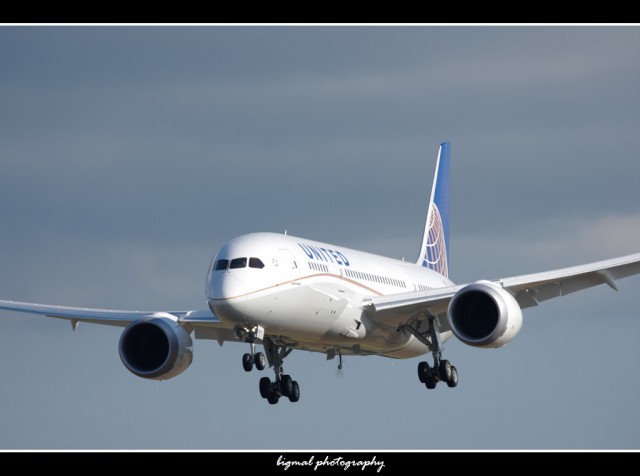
(434,251)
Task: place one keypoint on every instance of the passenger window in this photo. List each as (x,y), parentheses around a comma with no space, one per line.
(256,263)
(238,263)
(221,264)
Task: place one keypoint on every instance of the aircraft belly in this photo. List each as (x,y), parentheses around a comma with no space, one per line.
(299,311)
(319,318)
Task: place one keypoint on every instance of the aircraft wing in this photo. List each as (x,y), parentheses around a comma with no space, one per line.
(204,322)
(529,290)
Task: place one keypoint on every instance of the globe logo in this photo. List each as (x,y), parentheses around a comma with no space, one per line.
(435,256)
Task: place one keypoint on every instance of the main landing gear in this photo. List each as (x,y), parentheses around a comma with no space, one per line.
(442,370)
(284,385)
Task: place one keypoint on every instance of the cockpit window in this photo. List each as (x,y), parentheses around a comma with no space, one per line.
(256,263)
(238,263)
(221,264)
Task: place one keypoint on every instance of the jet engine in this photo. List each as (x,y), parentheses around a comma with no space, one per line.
(156,348)
(483,314)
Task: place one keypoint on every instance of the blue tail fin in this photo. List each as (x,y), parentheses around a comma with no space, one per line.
(434,251)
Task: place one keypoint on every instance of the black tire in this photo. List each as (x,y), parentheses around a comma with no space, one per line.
(295,392)
(453,381)
(423,371)
(430,383)
(286,385)
(445,370)
(265,387)
(260,361)
(273,399)
(247,362)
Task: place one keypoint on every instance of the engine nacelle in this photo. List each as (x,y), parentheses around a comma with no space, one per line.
(156,348)
(483,314)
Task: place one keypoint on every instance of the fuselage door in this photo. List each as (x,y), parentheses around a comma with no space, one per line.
(290,266)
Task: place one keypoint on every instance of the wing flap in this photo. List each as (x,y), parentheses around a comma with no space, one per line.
(219,334)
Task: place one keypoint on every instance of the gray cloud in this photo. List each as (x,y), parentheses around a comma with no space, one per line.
(129,154)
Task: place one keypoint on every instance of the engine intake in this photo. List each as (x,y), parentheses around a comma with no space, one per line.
(484,315)
(155,348)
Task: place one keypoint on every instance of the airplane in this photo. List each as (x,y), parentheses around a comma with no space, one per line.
(288,293)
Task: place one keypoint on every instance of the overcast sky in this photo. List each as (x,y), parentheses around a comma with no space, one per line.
(128,155)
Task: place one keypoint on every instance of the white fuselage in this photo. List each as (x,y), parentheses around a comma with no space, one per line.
(309,295)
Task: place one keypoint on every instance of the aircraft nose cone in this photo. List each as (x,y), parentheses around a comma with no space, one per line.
(228,286)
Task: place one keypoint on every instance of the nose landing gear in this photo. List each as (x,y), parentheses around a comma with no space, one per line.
(252,358)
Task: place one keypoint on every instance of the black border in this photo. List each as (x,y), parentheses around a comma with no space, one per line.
(331,461)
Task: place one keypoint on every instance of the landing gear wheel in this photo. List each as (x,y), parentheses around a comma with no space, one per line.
(423,371)
(247,362)
(286,385)
(453,381)
(265,387)
(445,370)
(260,361)
(294,396)
(442,370)
(283,385)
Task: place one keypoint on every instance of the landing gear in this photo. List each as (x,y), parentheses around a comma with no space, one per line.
(429,377)
(423,372)
(265,387)
(284,385)
(252,358)
(294,396)
(247,362)
(442,370)
(260,361)
(453,381)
